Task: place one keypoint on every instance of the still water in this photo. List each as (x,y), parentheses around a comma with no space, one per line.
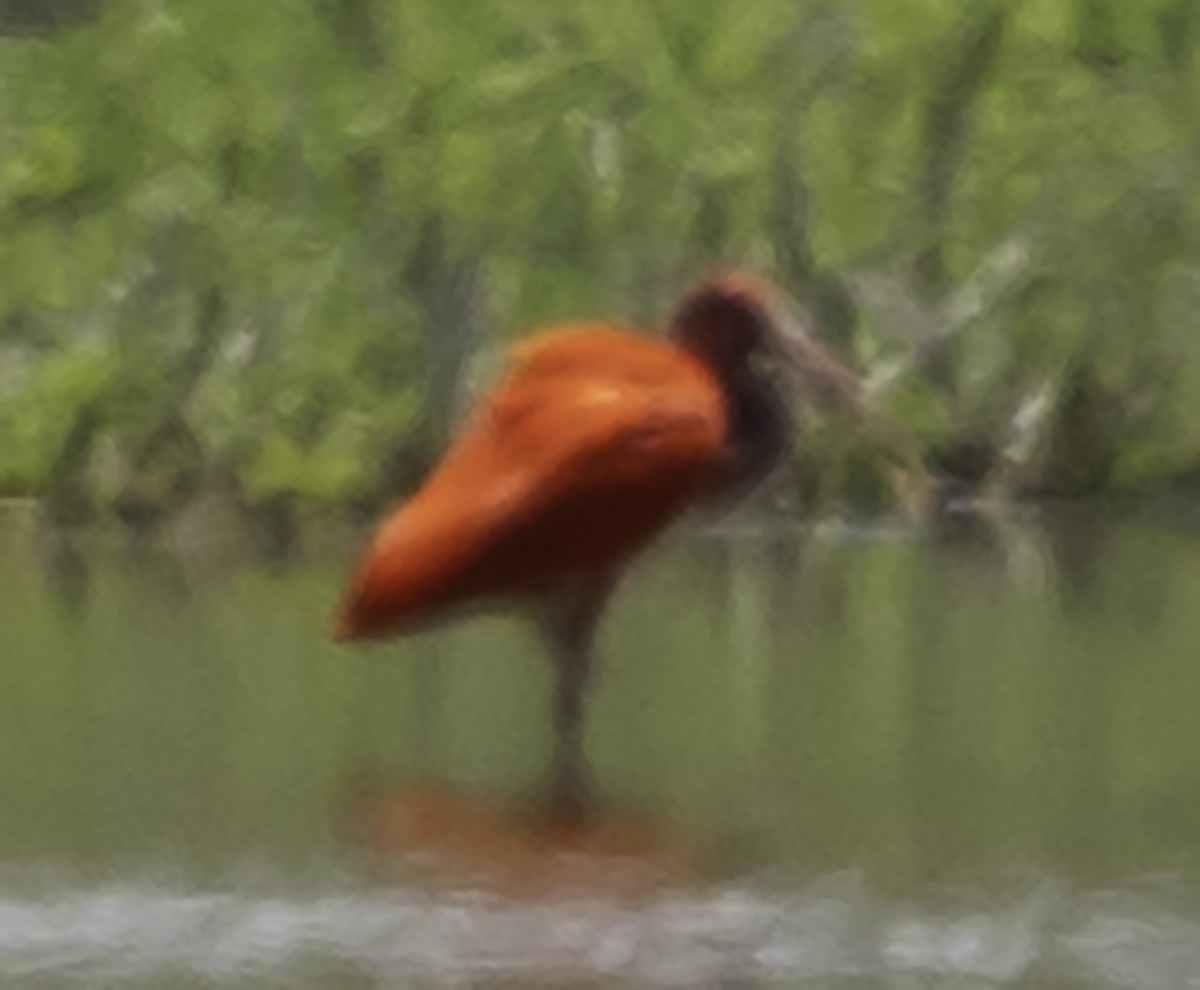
(848,758)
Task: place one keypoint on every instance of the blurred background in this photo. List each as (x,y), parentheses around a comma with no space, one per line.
(257,255)
(250,248)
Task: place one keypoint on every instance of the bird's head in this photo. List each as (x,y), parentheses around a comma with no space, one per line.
(731,316)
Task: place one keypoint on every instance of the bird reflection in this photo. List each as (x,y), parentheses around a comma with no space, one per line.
(65,568)
(530,848)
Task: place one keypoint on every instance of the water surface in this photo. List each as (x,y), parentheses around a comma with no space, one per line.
(854,758)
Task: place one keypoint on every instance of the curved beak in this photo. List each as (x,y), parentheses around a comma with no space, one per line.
(823,376)
(831,383)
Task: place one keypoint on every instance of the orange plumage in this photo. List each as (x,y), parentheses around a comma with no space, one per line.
(593,440)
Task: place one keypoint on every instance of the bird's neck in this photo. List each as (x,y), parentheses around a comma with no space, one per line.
(758,429)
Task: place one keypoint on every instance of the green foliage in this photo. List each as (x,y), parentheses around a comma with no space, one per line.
(280,227)
(37,422)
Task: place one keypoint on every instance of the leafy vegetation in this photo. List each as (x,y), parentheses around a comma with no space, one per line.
(251,248)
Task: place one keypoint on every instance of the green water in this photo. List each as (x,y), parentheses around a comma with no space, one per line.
(963,760)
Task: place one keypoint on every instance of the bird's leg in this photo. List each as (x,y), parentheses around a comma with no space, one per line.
(570,627)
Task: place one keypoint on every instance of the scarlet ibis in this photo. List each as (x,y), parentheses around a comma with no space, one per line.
(595,438)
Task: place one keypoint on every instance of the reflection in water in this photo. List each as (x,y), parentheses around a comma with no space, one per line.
(525,849)
(1077,542)
(544,842)
(64,567)
(943,762)
(160,573)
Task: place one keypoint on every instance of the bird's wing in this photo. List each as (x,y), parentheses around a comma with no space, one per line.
(582,452)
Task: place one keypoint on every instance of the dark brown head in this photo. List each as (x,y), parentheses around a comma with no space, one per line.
(731,316)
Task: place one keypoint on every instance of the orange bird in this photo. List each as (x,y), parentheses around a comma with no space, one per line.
(594,440)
